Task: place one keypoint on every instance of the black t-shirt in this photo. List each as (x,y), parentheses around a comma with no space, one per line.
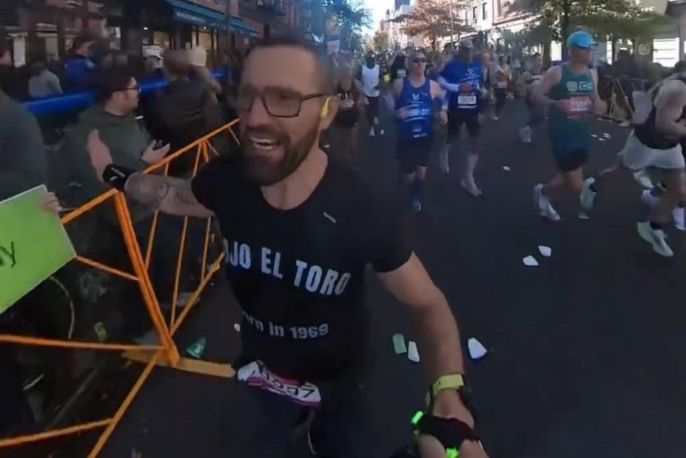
(298,274)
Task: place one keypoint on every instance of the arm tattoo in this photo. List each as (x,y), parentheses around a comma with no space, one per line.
(152,190)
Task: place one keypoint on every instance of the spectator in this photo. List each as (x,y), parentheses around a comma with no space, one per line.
(11,82)
(184,110)
(113,117)
(23,158)
(198,59)
(79,67)
(43,82)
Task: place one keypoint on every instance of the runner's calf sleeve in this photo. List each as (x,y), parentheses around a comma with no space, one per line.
(117,176)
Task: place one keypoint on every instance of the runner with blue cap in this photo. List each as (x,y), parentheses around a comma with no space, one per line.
(570,92)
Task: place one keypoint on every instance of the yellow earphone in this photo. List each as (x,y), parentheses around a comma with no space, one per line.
(325,108)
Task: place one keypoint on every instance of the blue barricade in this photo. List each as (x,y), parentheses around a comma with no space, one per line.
(67,103)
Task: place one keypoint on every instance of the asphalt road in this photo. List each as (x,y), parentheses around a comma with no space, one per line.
(586,351)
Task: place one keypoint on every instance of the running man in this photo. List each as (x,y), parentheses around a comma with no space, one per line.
(570,93)
(351,99)
(526,84)
(463,78)
(300,229)
(370,76)
(415,97)
(656,144)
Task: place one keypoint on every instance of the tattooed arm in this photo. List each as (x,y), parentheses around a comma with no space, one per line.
(167,194)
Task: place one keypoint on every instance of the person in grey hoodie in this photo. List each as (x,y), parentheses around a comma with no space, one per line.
(23,158)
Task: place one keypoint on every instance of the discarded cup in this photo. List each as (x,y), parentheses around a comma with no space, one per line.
(399,344)
(412,352)
(476,349)
(530,261)
(197,349)
(545,250)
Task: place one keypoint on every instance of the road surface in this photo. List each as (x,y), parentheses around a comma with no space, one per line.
(586,351)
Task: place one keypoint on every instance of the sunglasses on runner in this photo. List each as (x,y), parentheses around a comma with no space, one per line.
(279,103)
(419,60)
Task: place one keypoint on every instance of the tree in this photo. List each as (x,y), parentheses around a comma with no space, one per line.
(431,19)
(381,41)
(352,18)
(612,19)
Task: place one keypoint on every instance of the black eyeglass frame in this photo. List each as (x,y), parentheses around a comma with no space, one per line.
(260,95)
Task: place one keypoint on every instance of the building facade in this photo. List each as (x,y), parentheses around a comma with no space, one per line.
(45,29)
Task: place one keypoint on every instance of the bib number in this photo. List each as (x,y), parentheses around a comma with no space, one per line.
(501,84)
(256,374)
(466,100)
(580,106)
(402,73)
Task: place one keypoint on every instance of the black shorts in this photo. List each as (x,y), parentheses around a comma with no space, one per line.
(373,107)
(469,118)
(570,161)
(413,153)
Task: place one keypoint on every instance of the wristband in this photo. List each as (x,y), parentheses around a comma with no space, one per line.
(116,176)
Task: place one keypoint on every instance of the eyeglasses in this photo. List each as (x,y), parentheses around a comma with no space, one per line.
(419,61)
(135,87)
(280,103)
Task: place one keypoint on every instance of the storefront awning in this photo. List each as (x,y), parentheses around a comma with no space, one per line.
(195,14)
(239,25)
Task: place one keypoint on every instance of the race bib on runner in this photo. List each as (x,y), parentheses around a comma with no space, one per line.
(466,100)
(580,105)
(402,73)
(501,84)
(256,374)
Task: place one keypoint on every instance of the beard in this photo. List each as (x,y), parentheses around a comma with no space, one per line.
(261,169)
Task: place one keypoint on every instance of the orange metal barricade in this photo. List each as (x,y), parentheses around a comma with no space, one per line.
(166,353)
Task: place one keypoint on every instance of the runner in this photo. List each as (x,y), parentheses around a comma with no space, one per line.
(371,79)
(570,93)
(656,144)
(526,84)
(501,83)
(414,101)
(351,99)
(300,229)
(463,78)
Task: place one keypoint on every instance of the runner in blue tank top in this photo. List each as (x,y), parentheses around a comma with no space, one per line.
(570,92)
(463,78)
(416,97)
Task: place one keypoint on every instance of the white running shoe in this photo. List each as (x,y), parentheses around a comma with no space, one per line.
(416,205)
(679,218)
(494,117)
(381,131)
(588,195)
(648,198)
(372,133)
(656,238)
(543,205)
(525,134)
(643,179)
(470,186)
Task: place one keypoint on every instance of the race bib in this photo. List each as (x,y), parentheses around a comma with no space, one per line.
(466,100)
(402,73)
(256,374)
(580,105)
(501,84)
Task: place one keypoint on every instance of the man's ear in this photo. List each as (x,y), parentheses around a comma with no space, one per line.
(329,111)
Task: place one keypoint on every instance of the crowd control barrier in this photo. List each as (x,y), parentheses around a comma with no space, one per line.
(166,353)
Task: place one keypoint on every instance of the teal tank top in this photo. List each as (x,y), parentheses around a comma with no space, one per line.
(572,132)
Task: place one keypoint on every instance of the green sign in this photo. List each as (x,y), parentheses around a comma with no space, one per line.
(33,245)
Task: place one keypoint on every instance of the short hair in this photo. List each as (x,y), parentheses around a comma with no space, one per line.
(110,81)
(680,67)
(325,67)
(177,63)
(81,40)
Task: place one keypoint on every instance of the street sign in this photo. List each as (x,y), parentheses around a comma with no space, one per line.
(33,245)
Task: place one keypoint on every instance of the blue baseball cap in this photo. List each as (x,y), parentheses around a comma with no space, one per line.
(580,39)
